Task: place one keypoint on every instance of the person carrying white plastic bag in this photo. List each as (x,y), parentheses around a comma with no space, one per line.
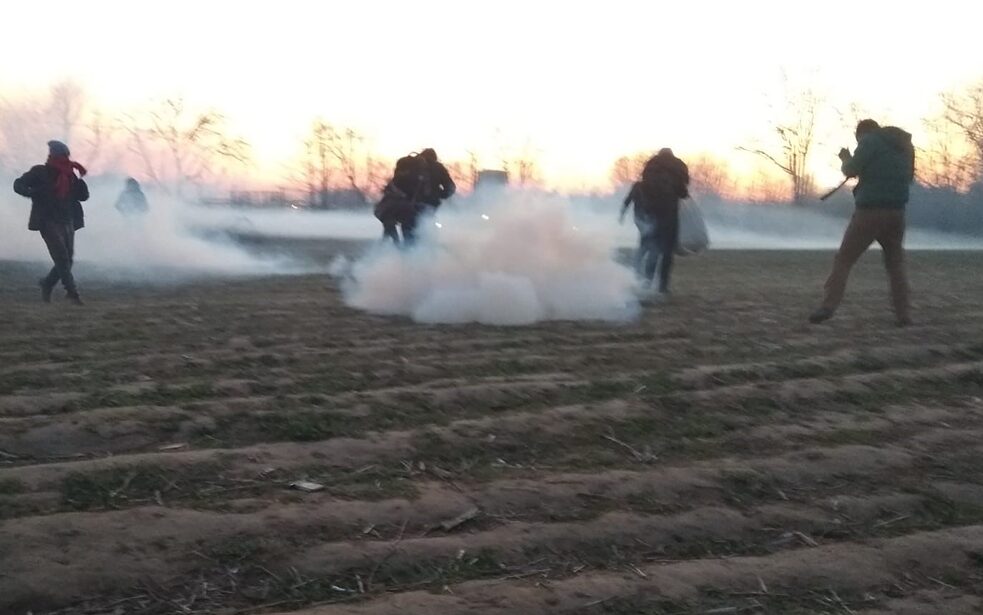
(664,182)
(694,237)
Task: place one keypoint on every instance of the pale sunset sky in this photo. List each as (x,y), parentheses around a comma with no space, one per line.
(582,82)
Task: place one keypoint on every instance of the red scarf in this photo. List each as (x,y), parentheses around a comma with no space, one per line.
(66,174)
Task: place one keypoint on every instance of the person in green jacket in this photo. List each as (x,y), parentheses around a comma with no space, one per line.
(884,165)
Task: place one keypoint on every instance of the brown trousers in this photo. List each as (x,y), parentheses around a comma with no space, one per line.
(886,227)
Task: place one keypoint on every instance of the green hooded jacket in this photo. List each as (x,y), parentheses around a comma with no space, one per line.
(884,164)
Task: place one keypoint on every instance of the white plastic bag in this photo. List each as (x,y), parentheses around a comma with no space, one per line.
(693,235)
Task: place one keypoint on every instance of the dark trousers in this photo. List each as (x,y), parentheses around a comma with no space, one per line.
(409,227)
(389,231)
(408,222)
(656,249)
(60,239)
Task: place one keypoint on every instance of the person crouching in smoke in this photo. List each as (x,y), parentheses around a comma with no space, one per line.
(419,184)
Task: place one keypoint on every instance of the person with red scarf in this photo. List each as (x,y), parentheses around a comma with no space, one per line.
(56,190)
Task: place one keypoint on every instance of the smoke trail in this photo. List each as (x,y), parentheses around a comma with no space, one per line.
(287,222)
(732,225)
(784,227)
(514,258)
(162,244)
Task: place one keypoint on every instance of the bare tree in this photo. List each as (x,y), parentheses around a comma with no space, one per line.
(523,165)
(795,130)
(765,186)
(527,171)
(177,144)
(851,116)
(952,155)
(462,174)
(519,162)
(628,169)
(29,121)
(330,153)
(710,176)
(377,174)
(66,105)
(318,165)
(91,135)
(945,161)
(473,168)
(22,133)
(345,145)
(100,141)
(964,111)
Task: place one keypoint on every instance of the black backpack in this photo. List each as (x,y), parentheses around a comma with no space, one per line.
(901,140)
(412,176)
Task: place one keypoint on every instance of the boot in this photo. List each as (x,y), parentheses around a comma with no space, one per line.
(45,290)
(820,315)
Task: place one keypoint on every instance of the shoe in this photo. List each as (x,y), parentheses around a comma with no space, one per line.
(74,299)
(45,290)
(820,315)
(904,321)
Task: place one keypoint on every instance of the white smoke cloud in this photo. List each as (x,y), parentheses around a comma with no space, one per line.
(785,227)
(538,257)
(288,223)
(513,258)
(165,243)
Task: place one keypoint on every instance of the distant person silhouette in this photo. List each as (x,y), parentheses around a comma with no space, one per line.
(132,201)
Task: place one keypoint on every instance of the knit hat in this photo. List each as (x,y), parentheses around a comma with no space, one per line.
(57,148)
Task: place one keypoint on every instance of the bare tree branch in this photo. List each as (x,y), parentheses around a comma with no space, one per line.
(329,153)
(795,128)
(178,145)
(758,152)
(964,111)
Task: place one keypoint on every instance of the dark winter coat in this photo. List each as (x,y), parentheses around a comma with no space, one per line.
(665,180)
(132,201)
(441,185)
(38,184)
(638,198)
(421,181)
(884,164)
